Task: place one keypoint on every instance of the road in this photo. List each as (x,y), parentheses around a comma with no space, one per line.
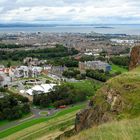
(35,115)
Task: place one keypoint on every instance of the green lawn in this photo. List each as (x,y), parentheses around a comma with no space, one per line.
(116,68)
(3,122)
(89,86)
(27,124)
(43,113)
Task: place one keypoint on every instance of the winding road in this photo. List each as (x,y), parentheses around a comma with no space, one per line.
(35,114)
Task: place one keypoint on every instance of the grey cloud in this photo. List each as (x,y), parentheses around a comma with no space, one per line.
(78,9)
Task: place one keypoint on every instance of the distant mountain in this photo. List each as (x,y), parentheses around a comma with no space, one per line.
(25,25)
(5,25)
(104,27)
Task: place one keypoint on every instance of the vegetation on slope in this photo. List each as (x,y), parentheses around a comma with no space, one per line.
(66,94)
(126,88)
(118,99)
(123,130)
(31,128)
(116,69)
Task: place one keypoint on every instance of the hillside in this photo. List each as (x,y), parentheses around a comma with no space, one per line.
(44,128)
(119,98)
(123,130)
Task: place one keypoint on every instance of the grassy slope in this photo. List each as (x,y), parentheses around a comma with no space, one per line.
(128,85)
(4,122)
(123,130)
(38,123)
(89,86)
(116,68)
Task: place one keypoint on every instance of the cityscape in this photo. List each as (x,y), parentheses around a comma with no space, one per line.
(69,70)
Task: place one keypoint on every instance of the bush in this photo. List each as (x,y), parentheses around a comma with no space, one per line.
(71,73)
(13,107)
(98,75)
(61,95)
(119,60)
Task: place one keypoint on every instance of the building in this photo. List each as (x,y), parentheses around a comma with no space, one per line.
(94,65)
(39,89)
(4,80)
(33,61)
(26,72)
(57,70)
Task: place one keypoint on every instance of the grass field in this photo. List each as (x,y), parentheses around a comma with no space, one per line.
(43,113)
(89,86)
(123,130)
(32,123)
(116,68)
(4,122)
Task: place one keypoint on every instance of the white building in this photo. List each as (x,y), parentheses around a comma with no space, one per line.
(25,71)
(39,89)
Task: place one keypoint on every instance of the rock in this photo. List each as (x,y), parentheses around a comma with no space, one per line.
(100,113)
(134,57)
(119,98)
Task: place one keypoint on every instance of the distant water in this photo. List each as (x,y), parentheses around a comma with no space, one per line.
(105,29)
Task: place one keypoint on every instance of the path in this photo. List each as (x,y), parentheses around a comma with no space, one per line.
(36,114)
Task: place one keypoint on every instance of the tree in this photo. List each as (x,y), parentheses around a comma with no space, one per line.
(26,108)
(9,64)
(12,108)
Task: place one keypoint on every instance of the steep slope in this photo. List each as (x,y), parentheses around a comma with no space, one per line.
(119,98)
(123,130)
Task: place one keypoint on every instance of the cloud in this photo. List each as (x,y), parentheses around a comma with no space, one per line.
(70,11)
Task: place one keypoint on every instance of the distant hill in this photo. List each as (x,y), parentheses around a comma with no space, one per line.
(25,25)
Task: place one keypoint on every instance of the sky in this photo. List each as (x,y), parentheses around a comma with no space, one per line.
(70,11)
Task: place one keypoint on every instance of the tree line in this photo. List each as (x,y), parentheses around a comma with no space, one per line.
(47,53)
(13,46)
(64,94)
(13,107)
(74,73)
(100,75)
(120,60)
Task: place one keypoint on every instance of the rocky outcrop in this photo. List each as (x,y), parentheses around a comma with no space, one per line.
(134,57)
(119,98)
(104,108)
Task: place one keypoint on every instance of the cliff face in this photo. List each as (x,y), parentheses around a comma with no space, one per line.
(102,108)
(135,57)
(119,98)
